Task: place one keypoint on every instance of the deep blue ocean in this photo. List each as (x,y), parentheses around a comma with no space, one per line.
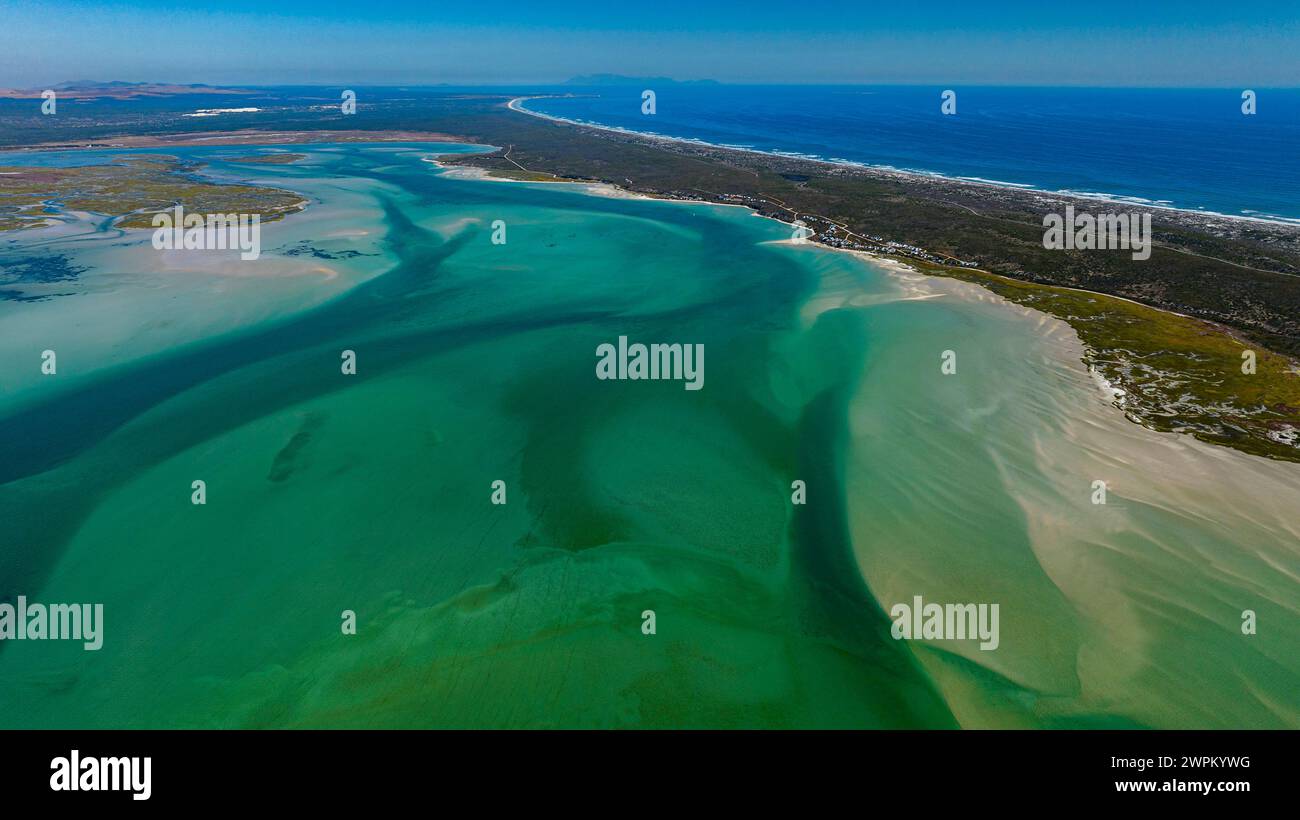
(1183,148)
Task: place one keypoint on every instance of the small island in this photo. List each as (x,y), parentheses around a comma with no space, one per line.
(132,188)
(266,159)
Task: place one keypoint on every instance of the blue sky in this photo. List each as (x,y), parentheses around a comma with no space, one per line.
(1233,43)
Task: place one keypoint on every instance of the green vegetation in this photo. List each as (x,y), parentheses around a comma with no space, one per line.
(524,176)
(1179,373)
(133,188)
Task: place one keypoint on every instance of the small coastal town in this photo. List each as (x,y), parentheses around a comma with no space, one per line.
(821,229)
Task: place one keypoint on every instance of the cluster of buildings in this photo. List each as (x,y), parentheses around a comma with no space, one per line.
(820,229)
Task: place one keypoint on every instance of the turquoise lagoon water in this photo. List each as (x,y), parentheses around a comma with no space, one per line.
(476,364)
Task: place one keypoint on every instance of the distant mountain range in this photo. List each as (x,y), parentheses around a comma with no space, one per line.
(619,79)
(117,89)
(120,90)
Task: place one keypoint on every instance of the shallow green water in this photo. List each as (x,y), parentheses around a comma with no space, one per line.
(476,363)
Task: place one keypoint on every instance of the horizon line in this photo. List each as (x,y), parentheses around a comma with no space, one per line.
(634,80)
